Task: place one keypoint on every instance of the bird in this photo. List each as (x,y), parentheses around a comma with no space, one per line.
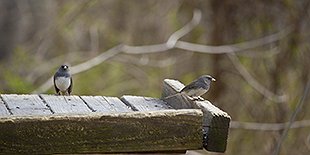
(63,81)
(196,88)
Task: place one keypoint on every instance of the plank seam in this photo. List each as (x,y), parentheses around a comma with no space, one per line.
(89,107)
(48,106)
(128,104)
(6,105)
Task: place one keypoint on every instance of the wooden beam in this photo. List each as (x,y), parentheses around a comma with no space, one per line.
(215,122)
(150,131)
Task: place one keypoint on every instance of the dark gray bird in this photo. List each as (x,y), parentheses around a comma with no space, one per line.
(63,81)
(198,87)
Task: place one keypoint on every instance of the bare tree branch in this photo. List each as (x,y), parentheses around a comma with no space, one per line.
(173,42)
(146,61)
(83,66)
(253,82)
(173,39)
(145,49)
(127,49)
(231,48)
(292,118)
(184,30)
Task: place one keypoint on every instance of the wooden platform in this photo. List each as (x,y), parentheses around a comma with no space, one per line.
(98,124)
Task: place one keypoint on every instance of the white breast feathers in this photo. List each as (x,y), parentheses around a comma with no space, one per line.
(63,83)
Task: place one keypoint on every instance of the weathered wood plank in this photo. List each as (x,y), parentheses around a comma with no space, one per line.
(140,103)
(118,104)
(21,105)
(215,122)
(106,104)
(66,104)
(171,95)
(154,131)
(3,110)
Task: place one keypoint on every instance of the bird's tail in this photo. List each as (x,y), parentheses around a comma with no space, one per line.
(167,97)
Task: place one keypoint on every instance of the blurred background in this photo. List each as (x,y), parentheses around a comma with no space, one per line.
(261,82)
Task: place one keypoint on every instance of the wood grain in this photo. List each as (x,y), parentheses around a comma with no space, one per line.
(66,104)
(171,95)
(215,121)
(23,105)
(118,104)
(164,130)
(106,104)
(139,103)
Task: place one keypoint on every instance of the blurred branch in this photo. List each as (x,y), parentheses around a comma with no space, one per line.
(146,61)
(184,30)
(268,126)
(46,36)
(170,43)
(231,48)
(127,49)
(272,51)
(83,66)
(253,82)
(173,42)
(292,118)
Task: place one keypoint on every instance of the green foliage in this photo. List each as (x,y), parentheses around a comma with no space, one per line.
(16,83)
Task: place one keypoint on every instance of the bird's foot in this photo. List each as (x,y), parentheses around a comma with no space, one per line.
(196,98)
(200,98)
(191,98)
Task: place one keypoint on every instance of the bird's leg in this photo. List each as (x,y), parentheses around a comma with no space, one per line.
(200,98)
(196,98)
(190,98)
(193,98)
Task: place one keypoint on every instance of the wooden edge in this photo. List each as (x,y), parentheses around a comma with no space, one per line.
(149,131)
(215,122)
(132,114)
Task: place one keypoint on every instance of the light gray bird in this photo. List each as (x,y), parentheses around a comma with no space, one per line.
(63,81)
(196,88)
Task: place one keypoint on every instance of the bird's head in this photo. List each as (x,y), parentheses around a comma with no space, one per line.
(207,78)
(64,68)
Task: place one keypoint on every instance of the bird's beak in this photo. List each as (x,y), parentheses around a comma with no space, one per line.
(213,79)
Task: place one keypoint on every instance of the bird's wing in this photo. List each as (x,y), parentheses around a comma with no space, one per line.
(70,87)
(56,89)
(189,86)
